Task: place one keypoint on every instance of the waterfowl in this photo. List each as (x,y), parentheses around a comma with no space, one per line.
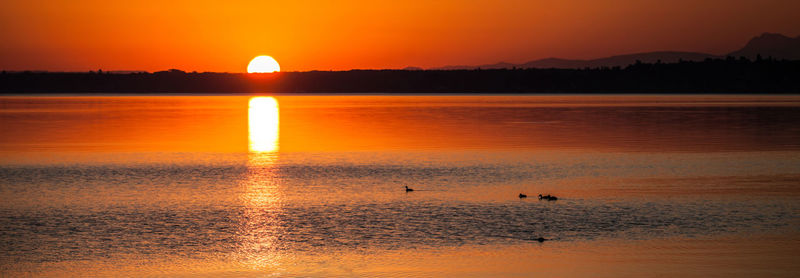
(408,189)
(548,197)
(522,196)
(540,239)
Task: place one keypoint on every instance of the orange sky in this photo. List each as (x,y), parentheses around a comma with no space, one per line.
(223,36)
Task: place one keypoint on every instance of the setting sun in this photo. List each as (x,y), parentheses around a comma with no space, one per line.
(263,64)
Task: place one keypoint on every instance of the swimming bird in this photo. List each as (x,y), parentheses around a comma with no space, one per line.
(522,196)
(540,239)
(408,189)
(548,197)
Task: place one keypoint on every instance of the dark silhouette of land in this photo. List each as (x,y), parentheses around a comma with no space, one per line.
(730,75)
(772,45)
(769,63)
(613,61)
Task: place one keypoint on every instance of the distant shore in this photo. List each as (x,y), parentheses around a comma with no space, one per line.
(730,76)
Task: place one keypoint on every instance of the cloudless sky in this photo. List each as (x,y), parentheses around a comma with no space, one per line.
(222,36)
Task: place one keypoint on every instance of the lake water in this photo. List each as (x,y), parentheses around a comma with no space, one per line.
(215,186)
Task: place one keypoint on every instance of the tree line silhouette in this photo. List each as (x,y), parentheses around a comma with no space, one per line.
(730,75)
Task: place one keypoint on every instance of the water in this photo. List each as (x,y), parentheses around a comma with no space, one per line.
(314,186)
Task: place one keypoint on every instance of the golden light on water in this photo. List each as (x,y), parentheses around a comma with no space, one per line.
(261,198)
(260,226)
(263,124)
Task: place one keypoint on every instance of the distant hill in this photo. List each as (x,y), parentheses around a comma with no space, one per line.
(501,65)
(768,45)
(771,45)
(613,61)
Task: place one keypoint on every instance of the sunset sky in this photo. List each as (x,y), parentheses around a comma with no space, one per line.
(223,36)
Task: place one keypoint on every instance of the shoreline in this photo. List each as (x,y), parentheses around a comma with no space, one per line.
(727,76)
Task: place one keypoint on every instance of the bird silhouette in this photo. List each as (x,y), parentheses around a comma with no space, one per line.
(548,197)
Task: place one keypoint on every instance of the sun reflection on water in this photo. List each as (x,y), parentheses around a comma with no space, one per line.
(263,124)
(260,226)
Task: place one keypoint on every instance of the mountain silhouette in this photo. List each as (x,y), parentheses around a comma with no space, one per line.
(613,61)
(772,45)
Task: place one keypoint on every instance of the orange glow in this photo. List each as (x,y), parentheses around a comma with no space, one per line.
(83,125)
(263,64)
(217,36)
(259,125)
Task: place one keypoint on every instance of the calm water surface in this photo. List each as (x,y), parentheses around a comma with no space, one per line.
(313,186)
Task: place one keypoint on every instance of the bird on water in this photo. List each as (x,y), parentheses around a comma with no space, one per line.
(522,196)
(408,189)
(548,197)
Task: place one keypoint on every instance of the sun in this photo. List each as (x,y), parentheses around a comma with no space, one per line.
(263,64)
